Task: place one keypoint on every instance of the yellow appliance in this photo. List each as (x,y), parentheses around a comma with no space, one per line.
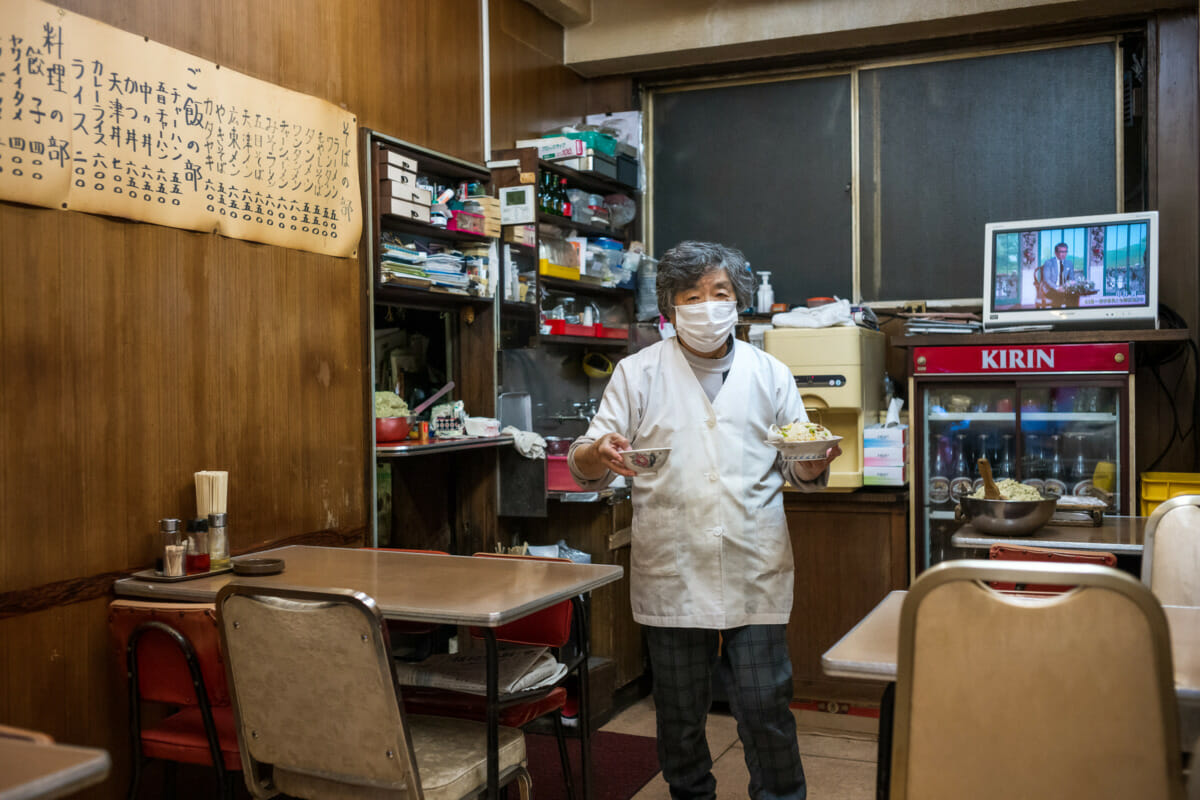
(839,373)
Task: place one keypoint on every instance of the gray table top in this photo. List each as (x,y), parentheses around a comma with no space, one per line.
(456,590)
(1120,535)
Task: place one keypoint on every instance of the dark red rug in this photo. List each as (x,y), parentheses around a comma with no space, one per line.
(621,765)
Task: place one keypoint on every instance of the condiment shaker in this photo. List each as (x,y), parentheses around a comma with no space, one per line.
(171,553)
(218,541)
(197,546)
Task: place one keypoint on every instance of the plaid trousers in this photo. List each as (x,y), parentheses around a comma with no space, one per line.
(754,665)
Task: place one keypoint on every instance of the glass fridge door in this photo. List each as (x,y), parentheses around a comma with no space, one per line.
(1070,442)
(962,422)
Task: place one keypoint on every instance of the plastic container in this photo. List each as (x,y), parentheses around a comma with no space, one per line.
(560,327)
(558,475)
(1160,486)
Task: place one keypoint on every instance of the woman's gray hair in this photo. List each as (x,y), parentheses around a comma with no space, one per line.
(686,263)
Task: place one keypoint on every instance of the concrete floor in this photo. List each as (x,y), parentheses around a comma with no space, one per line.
(838,752)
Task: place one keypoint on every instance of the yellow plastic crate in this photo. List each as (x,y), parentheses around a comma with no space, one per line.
(555,271)
(1160,486)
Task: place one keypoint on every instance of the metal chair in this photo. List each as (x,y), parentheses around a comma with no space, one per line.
(172,656)
(551,627)
(318,707)
(1001,695)
(1171,551)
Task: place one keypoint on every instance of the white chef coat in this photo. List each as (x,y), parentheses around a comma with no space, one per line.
(710,542)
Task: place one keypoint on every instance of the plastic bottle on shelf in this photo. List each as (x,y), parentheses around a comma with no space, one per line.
(766,294)
(564,199)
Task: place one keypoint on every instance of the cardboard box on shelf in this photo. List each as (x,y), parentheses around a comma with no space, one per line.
(405,191)
(392,158)
(555,147)
(885,476)
(398,175)
(520,234)
(404,209)
(884,456)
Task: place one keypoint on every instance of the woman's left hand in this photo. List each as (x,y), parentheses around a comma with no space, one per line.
(811,470)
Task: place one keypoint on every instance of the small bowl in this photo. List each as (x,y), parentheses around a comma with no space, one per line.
(1005,517)
(805,451)
(646,461)
(392,429)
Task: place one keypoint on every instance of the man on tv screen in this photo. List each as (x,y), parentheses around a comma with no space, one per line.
(1057,272)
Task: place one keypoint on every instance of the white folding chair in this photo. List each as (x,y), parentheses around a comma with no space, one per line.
(1171,551)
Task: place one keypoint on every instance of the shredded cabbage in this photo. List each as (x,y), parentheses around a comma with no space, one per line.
(389,404)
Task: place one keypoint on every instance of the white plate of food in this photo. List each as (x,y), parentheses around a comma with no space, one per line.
(802,441)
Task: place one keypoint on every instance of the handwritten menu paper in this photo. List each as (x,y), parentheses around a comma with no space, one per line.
(99,120)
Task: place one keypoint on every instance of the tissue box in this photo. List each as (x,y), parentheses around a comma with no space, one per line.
(887,456)
(885,476)
(879,436)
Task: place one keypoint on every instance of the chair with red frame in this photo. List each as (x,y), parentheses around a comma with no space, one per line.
(1019,552)
(551,627)
(172,655)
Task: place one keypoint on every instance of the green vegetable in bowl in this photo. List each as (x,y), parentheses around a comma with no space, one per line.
(389,404)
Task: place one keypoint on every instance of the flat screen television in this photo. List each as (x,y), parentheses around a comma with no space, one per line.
(1072,272)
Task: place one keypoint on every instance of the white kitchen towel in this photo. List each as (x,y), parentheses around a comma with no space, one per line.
(520,668)
(528,443)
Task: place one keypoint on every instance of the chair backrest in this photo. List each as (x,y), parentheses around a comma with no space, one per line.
(1001,695)
(1019,552)
(1171,551)
(550,627)
(314,693)
(163,674)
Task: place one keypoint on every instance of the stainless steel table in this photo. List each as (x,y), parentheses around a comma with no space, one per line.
(1119,535)
(422,587)
(42,770)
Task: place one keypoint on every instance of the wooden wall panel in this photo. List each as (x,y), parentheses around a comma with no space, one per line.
(1174,110)
(531,90)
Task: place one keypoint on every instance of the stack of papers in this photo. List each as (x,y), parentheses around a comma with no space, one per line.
(947,322)
(520,669)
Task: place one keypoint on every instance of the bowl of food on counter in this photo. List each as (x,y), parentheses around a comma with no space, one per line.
(802,441)
(392,421)
(1020,511)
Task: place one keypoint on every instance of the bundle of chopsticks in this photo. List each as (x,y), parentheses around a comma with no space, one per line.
(212,490)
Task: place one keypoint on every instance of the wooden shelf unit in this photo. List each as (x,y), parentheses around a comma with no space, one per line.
(442,493)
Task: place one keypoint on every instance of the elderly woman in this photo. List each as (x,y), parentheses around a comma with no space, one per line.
(711,558)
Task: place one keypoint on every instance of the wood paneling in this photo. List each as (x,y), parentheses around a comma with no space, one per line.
(1174,110)
(134,354)
(850,551)
(531,90)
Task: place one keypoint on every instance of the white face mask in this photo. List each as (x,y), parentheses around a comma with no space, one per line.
(706,326)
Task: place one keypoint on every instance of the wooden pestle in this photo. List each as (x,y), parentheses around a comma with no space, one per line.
(990,490)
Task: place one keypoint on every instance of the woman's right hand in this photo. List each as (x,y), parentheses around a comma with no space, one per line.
(604,454)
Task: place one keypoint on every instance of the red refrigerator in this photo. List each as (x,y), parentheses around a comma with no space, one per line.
(1058,417)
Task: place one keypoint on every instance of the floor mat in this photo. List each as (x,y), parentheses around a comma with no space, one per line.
(621,765)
